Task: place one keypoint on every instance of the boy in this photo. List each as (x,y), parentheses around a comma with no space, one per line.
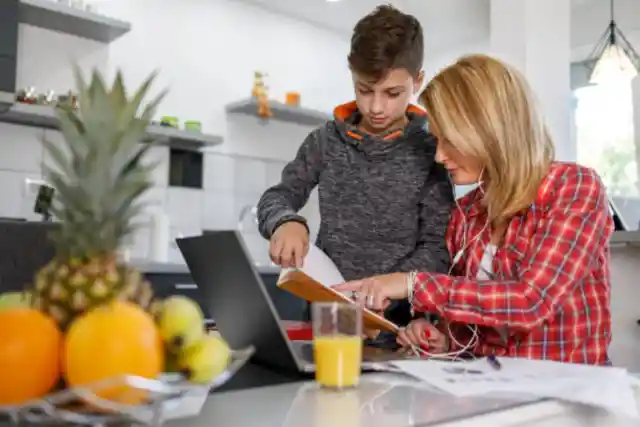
(384,202)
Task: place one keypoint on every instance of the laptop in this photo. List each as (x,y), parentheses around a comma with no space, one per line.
(233,291)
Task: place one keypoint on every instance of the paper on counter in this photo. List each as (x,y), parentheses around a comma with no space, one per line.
(319,267)
(608,388)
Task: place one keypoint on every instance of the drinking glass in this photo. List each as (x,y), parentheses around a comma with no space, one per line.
(337,343)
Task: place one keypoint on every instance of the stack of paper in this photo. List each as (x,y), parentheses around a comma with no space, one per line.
(609,388)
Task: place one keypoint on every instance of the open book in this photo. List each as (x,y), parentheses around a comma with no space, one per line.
(314,282)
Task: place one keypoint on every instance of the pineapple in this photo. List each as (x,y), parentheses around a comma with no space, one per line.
(98,177)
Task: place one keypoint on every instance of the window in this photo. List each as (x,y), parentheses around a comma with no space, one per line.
(605,136)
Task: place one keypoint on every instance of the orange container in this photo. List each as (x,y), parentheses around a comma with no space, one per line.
(292,98)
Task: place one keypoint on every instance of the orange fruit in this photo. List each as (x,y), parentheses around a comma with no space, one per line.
(110,341)
(30,344)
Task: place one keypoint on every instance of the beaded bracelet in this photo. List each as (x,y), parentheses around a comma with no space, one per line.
(411,280)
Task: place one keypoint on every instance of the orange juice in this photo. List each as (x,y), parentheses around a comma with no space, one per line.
(338,360)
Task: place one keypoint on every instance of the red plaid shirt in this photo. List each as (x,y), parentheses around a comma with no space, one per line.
(550,296)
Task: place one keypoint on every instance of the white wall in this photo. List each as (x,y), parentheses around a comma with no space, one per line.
(206,52)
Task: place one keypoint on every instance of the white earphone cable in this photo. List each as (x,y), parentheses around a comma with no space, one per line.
(473,341)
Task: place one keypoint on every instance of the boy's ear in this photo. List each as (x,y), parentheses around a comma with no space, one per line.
(418,82)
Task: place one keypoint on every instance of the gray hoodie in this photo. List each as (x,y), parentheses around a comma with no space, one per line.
(384,202)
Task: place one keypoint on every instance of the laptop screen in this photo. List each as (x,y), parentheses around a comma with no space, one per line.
(233,292)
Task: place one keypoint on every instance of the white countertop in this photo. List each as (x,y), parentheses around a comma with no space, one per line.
(625,238)
(386,400)
(157,267)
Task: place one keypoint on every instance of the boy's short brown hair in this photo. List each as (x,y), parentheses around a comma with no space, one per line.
(384,40)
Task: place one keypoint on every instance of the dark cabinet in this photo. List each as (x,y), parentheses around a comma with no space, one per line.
(8,44)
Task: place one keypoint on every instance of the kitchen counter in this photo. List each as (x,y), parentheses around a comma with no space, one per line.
(155,267)
(384,400)
(631,238)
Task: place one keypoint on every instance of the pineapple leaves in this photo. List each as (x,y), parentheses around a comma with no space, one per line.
(118,95)
(100,172)
(60,161)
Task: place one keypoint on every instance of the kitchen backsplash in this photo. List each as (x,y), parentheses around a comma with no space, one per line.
(231,182)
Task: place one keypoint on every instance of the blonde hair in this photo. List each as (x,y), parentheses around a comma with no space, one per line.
(484,108)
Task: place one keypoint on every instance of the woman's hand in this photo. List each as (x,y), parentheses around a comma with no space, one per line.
(423,335)
(376,293)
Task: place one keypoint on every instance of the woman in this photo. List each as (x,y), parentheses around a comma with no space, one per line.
(529,246)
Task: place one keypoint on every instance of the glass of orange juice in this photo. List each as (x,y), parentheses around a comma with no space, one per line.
(337,343)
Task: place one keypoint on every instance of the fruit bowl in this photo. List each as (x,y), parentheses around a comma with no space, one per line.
(83,406)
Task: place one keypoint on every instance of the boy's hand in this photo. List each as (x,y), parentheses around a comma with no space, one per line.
(289,245)
(422,334)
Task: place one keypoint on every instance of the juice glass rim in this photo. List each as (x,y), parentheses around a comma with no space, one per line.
(336,307)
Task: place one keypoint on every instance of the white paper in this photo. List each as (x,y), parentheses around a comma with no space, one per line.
(319,267)
(609,388)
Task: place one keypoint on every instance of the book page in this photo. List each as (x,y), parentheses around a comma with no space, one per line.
(319,267)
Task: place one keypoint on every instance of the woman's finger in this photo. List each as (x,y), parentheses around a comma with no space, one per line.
(412,337)
(436,346)
(422,331)
(353,286)
(402,338)
(436,339)
(366,294)
(374,296)
(379,299)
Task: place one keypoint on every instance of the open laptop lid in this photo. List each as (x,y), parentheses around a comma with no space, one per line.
(233,291)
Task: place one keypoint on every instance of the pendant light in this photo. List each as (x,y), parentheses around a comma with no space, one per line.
(614,59)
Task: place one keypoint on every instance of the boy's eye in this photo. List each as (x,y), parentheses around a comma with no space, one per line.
(364,91)
(394,94)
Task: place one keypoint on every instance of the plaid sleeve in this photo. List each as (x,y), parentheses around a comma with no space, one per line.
(565,244)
